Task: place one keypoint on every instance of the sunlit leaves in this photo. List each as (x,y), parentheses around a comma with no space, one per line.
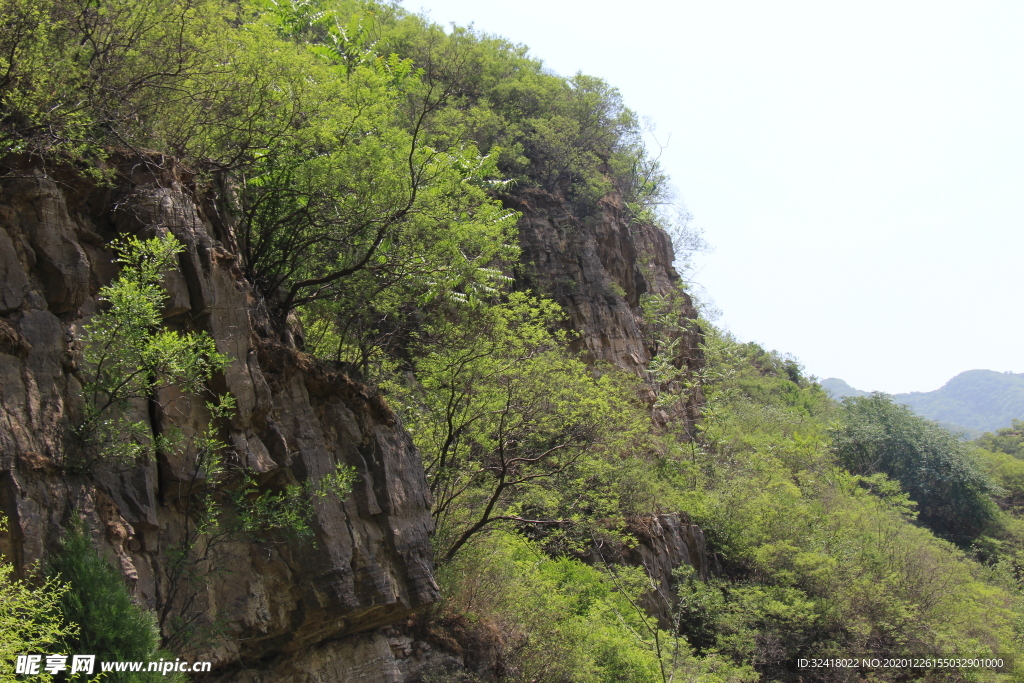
(128,356)
(510,425)
(30,617)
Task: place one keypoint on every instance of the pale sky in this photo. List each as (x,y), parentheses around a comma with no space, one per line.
(858,167)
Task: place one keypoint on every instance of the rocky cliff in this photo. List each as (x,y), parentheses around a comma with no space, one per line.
(598,268)
(664,543)
(287,605)
(285,610)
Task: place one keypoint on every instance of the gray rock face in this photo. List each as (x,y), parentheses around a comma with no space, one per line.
(666,542)
(598,268)
(275,600)
(39,209)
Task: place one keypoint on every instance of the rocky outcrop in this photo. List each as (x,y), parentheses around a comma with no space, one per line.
(297,607)
(664,544)
(598,268)
(668,542)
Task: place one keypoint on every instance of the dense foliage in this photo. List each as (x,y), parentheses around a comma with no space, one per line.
(819,559)
(1009,440)
(510,425)
(558,619)
(816,560)
(935,468)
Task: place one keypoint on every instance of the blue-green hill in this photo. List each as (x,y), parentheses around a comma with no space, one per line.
(838,388)
(974,401)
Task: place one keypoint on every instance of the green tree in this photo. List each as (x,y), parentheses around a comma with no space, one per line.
(1009,440)
(355,190)
(75,77)
(933,466)
(508,422)
(128,358)
(111,625)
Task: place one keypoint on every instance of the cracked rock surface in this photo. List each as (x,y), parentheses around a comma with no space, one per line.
(285,610)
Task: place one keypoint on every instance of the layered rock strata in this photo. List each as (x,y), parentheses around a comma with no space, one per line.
(280,606)
(599,268)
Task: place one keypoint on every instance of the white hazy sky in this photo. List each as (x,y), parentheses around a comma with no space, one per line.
(858,167)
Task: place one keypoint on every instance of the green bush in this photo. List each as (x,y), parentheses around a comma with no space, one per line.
(558,619)
(30,618)
(111,625)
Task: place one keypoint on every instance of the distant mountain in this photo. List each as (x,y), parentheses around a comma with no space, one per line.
(974,401)
(838,388)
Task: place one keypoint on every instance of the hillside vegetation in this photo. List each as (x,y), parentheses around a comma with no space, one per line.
(368,157)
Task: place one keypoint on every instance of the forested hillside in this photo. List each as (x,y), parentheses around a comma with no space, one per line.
(355,344)
(982,400)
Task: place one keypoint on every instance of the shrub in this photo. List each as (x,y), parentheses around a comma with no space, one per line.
(30,618)
(563,620)
(111,625)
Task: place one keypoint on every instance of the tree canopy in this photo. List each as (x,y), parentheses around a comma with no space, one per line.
(933,466)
